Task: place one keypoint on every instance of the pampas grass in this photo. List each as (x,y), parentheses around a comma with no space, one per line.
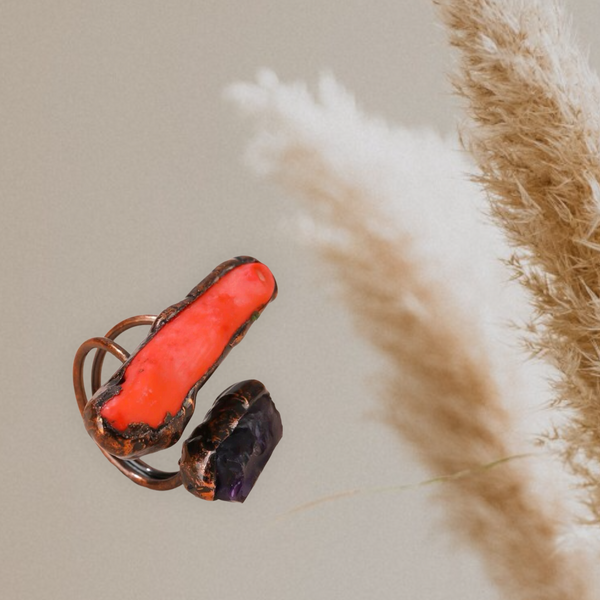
(447,387)
(535,135)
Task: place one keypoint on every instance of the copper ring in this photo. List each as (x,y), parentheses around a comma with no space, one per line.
(137,470)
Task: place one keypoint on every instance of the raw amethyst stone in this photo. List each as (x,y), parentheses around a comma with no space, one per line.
(240,459)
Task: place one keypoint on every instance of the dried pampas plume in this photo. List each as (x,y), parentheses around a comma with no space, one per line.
(535,135)
(445,391)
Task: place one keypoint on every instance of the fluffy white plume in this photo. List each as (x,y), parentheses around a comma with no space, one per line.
(397,218)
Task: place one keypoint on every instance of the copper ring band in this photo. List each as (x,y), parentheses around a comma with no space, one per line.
(137,470)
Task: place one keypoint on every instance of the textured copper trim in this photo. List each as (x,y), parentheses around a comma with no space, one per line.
(137,470)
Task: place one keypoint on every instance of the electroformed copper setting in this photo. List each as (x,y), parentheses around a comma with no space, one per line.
(146,404)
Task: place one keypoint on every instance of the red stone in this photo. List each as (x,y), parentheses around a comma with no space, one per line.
(160,375)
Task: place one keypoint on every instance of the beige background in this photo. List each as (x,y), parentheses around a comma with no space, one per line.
(122,186)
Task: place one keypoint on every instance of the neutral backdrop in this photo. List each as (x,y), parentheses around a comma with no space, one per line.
(122,186)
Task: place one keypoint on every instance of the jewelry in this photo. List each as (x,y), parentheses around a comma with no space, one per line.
(145,406)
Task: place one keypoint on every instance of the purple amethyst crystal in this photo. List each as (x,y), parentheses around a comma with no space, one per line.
(240,458)
(226,453)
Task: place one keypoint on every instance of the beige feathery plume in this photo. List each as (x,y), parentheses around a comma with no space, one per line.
(536,138)
(443,390)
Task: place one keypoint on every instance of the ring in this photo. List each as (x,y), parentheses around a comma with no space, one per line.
(145,406)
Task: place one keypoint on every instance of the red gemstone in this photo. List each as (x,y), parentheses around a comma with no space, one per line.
(160,375)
